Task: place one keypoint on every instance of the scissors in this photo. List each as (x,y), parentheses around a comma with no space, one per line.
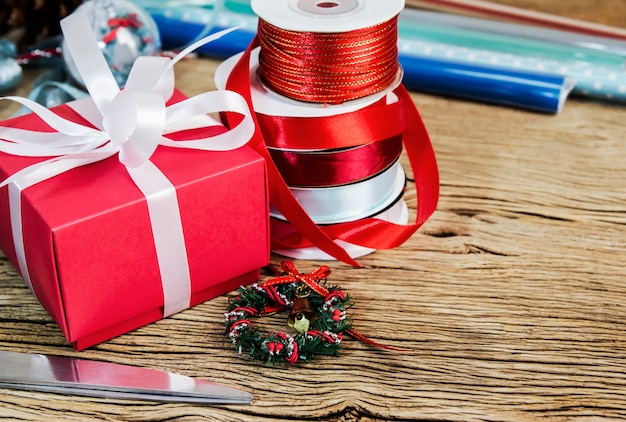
(66,375)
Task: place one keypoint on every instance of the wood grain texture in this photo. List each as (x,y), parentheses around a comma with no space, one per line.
(511,296)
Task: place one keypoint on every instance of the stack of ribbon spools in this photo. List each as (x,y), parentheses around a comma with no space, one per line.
(325,86)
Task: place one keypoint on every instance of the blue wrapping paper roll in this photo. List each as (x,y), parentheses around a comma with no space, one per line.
(482,83)
(176,33)
(528,90)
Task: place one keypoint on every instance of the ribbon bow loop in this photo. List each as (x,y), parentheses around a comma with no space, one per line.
(151,74)
(135,122)
(130,123)
(311,280)
(320,273)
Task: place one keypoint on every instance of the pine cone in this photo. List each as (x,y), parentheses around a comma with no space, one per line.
(39,18)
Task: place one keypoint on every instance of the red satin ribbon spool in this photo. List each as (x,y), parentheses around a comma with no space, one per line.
(279,193)
(329,67)
(370,124)
(375,233)
(328,168)
(370,232)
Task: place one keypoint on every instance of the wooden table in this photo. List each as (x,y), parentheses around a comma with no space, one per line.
(512,296)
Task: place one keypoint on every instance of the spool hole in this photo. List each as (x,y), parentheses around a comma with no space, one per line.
(327,4)
(328,7)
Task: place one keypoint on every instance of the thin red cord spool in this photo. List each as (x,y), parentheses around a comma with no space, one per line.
(329,68)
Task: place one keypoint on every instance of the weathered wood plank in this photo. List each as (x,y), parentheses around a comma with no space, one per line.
(511,296)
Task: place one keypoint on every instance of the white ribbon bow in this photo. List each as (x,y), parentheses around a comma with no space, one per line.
(130,123)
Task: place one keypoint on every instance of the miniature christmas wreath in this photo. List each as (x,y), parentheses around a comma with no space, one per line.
(318,316)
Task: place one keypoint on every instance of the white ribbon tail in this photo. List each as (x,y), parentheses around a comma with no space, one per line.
(198,44)
(93,68)
(212,102)
(26,150)
(55,121)
(48,169)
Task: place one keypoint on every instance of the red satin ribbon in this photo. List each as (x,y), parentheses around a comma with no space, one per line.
(369,124)
(336,167)
(375,233)
(279,193)
(370,232)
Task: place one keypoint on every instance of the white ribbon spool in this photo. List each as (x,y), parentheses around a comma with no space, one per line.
(397,214)
(344,203)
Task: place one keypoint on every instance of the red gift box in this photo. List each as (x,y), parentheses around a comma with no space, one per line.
(89,244)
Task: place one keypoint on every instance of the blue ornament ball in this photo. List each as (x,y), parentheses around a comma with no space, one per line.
(124,32)
(10,70)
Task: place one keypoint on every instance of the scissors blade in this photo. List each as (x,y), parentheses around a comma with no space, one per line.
(65,375)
